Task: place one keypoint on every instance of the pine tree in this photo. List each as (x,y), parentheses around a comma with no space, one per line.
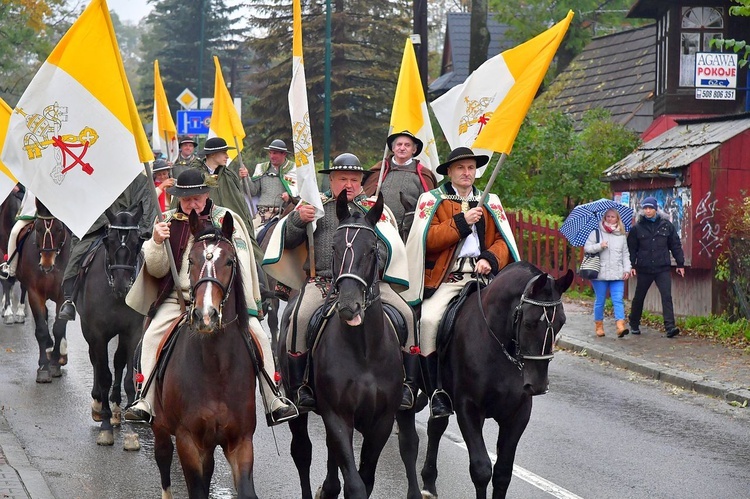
(173,36)
(367,46)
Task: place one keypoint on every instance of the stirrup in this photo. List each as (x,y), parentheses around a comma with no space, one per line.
(448,409)
(137,415)
(4,271)
(65,316)
(413,396)
(282,414)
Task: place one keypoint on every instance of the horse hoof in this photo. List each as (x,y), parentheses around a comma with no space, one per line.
(43,376)
(428,495)
(55,371)
(116,419)
(63,360)
(96,411)
(8,320)
(105,437)
(20,319)
(131,442)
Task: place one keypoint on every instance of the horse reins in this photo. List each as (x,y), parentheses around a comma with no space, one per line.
(207,273)
(518,359)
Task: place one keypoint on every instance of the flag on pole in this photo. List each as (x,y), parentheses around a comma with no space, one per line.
(307,183)
(75,138)
(225,121)
(410,107)
(164,135)
(7,180)
(486,111)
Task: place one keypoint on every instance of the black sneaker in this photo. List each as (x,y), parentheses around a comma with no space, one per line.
(673,332)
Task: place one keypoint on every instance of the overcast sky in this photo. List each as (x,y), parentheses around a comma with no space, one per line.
(130,10)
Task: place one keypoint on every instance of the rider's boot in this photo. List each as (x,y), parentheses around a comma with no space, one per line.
(440,402)
(279,408)
(411,377)
(68,308)
(301,392)
(4,270)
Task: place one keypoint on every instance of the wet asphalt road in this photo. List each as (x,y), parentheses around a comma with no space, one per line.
(600,432)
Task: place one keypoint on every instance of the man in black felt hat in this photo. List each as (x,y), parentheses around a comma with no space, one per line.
(187,155)
(273,183)
(404,178)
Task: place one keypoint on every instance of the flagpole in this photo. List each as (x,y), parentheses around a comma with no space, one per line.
(382,165)
(166,144)
(491,181)
(170,255)
(245,180)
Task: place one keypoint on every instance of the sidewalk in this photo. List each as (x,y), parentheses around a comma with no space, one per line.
(685,361)
(18,478)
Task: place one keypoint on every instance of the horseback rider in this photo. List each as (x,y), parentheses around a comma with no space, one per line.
(289,244)
(452,242)
(404,177)
(25,216)
(154,292)
(187,155)
(273,183)
(139,190)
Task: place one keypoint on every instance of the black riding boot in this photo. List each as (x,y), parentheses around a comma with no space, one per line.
(440,402)
(411,383)
(68,308)
(302,394)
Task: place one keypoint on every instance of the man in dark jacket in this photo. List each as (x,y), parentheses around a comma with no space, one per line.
(650,242)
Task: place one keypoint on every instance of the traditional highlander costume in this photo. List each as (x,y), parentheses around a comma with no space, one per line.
(182,163)
(287,260)
(154,292)
(443,251)
(269,182)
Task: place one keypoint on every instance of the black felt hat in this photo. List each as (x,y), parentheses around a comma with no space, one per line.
(215,144)
(461,153)
(189,183)
(405,133)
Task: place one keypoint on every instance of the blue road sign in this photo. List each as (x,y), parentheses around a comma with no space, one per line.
(193,122)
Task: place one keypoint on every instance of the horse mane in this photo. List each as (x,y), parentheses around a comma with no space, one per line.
(238,288)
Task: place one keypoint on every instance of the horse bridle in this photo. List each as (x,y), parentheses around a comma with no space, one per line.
(109,267)
(208,271)
(48,235)
(518,357)
(370,291)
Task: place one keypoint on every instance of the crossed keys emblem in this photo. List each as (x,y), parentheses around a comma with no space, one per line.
(69,149)
(475,114)
(302,139)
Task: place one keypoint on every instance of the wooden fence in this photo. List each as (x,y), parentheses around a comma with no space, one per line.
(544,246)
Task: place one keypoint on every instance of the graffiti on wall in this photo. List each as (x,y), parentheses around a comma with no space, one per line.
(705,213)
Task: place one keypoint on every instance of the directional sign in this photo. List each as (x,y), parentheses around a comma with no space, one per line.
(193,122)
(715,76)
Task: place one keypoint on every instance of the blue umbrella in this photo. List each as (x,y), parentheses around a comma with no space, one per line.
(586,217)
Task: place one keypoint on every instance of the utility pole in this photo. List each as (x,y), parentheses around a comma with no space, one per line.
(421,48)
(200,58)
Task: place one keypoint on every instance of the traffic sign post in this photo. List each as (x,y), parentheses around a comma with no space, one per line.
(193,122)
(715,76)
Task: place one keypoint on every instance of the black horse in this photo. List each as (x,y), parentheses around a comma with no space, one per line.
(495,363)
(41,266)
(8,212)
(356,362)
(108,279)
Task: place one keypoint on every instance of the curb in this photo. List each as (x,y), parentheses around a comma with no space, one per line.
(20,478)
(682,379)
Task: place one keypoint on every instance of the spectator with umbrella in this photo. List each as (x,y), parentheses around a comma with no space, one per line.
(601,228)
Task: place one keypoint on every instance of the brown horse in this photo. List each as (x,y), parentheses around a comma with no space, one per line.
(41,266)
(206,394)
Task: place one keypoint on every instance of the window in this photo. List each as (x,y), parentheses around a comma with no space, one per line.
(699,26)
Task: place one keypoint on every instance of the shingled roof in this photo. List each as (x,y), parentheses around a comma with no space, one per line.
(456,50)
(615,72)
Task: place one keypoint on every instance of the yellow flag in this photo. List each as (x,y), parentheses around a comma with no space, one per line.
(164,135)
(225,121)
(409,111)
(7,179)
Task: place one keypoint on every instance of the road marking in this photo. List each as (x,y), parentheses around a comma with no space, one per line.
(522,473)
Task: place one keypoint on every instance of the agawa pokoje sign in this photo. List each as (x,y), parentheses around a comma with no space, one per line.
(715,76)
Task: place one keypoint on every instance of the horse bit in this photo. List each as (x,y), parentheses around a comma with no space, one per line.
(209,271)
(519,356)
(113,266)
(368,294)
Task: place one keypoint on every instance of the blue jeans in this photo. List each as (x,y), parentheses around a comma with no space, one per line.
(616,290)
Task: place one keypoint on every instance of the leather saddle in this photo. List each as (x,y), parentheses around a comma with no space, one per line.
(324,312)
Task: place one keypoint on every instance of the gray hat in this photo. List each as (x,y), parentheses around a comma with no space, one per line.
(346,162)
(159,165)
(277,145)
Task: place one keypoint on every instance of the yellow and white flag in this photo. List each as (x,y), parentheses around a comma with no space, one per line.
(410,108)
(225,121)
(164,134)
(75,138)
(307,183)
(7,179)
(486,111)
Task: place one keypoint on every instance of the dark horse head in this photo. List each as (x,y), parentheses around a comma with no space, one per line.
(214,275)
(355,259)
(122,243)
(535,322)
(50,235)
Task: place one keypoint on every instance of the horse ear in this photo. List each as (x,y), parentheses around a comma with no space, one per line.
(195,222)
(138,213)
(110,216)
(227,226)
(41,209)
(373,216)
(563,283)
(342,206)
(539,284)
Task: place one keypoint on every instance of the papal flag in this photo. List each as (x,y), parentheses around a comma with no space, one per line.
(75,138)
(307,183)
(410,108)
(486,111)
(225,120)
(7,180)
(164,134)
